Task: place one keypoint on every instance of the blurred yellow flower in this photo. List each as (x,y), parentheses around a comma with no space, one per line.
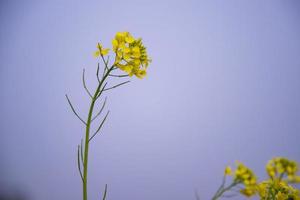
(245,176)
(279,167)
(282,173)
(281,196)
(101,51)
(228,171)
(277,190)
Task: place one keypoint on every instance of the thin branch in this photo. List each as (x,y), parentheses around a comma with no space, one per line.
(223,184)
(105,192)
(74,110)
(220,188)
(99,126)
(228,188)
(103,105)
(101,91)
(78,163)
(228,195)
(98,73)
(116,86)
(120,76)
(104,70)
(107,60)
(81,151)
(238,188)
(197,195)
(104,63)
(84,84)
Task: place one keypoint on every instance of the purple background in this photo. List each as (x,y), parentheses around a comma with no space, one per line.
(223,86)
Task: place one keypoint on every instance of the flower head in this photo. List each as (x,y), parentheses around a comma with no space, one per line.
(245,176)
(279,189)
(279,167)
(131,54)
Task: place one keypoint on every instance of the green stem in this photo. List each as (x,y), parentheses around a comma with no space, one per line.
(221,191)
(87,133)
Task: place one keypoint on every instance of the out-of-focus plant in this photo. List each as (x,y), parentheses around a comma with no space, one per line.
(131,57)
(280,185)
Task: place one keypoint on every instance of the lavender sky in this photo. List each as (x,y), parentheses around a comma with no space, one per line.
(223,86)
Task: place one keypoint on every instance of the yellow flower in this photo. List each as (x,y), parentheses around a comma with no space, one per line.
(227,171)
(245,176)
(279,167)
(131,54)
(281,196)
(277,188)
(101,51)
(248,191)
(115,44)
(263,189)
(294,179)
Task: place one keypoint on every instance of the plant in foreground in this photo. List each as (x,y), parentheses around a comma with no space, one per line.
(280,185)
(130,56)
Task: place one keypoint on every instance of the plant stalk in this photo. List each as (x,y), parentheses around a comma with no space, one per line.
(222,190)
(87,134)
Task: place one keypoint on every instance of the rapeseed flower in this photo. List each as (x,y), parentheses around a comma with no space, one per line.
(245,176)
(277,190)
(282,173)
(280,168)
(131,55)
(228,171)
(242,175)
(101,51)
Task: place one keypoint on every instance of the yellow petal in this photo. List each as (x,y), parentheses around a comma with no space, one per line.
(136,49)
(141,74)
(228,170)
(137,62)
(129,39)
(127,50)
(115,44)
(104,52)
(119,54)
(120,36)
(127,68)
(96,53)
(126,56)
(99,46)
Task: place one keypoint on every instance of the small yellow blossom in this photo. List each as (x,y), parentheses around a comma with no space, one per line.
(101,51)
(279,167)
(245,176)
(228,171)
(262,189)
(281,196)
(248,191)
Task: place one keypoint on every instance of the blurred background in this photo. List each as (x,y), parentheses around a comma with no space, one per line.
(223,86)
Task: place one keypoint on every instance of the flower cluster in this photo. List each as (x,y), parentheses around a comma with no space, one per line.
(244,176)
(275,189)
(282,173)
(130,54)
(279,167)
